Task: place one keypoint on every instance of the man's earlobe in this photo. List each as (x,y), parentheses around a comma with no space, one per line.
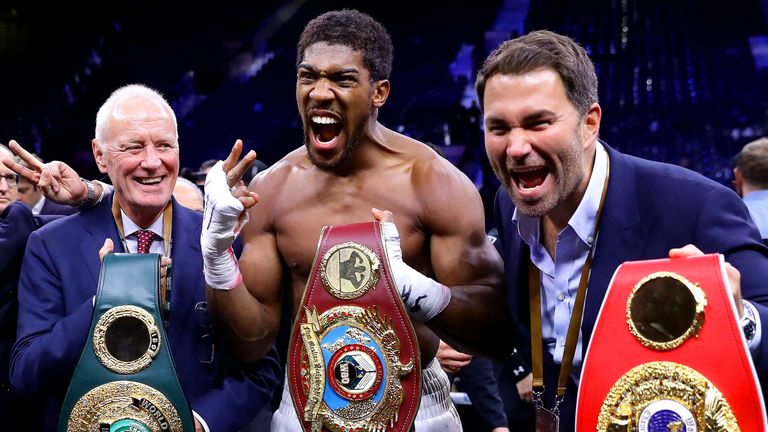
(98,156)
(592,121)
(380,93)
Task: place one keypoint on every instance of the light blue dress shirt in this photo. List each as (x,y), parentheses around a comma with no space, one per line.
(757,203)
(560,276)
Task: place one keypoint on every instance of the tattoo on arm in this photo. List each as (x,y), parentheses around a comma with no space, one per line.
(406,293)
(416,307)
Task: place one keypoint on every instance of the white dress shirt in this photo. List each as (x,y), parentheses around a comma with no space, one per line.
(132,243)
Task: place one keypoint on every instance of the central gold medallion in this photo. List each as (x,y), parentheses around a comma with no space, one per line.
(126,339)
(349,270)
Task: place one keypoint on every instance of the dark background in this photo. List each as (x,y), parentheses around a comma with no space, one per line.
(678,78)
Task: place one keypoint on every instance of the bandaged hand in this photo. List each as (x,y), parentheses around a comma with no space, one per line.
(221,223)
(423,297)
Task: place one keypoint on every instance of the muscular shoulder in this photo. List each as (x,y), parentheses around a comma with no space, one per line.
(438,182)
(268,182)
(273,183)
(446,195)
(427,166)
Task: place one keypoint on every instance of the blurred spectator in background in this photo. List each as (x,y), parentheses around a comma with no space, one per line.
(203,171)
(16,224)
(31,195)
(499,392)
(197,178)
(12,246)
(199,175)
(8,182)
(188,194)
(474,376)
(257,167)
(750,178)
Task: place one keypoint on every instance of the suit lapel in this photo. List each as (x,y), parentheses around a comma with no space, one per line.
(622,236)
(187,271)
(99,224)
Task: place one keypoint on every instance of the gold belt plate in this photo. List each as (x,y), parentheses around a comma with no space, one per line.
(352,370)
(665,396)
(138,406)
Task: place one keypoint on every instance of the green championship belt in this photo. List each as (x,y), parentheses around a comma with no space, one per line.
(125,380)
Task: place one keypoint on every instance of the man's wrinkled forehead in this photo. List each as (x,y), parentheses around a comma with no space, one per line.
(340,52)
(4,169)
(140,108)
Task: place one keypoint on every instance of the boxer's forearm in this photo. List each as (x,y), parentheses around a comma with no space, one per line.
(476,321)
(472,318)
(249,325)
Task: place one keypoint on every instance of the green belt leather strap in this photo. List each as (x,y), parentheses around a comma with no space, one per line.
(98,397)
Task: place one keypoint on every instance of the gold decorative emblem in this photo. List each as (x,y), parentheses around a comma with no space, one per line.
(349,270)
(126,339)
(664,310)
(665,396)
(124,406)
(357,353)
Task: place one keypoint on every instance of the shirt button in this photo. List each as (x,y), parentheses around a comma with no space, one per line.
(561,296)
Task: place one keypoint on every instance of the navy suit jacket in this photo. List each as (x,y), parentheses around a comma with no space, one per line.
(650,207)
(58,281)
(16,224)
(52,208)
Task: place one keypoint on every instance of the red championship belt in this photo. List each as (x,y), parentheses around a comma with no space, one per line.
(667,353)
(354,362)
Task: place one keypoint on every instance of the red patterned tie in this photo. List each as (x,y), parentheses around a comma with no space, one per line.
(145,238)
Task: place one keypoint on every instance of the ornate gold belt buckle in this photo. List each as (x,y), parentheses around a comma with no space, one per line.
(353,361)
(667,354)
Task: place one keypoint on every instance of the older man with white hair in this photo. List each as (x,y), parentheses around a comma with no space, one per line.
(136,144)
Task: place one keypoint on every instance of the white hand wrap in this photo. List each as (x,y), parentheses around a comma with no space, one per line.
(423,297)
(221,224)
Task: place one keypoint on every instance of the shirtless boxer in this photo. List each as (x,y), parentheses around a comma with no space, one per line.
(349,166)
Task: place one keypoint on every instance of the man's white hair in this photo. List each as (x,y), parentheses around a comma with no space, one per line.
(7,151)
(117,96)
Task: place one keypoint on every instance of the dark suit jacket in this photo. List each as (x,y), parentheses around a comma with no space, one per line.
(58,281)
(16,224)
(650,208)
(51,208)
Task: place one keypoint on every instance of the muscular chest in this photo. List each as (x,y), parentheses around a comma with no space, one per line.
(300,218)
